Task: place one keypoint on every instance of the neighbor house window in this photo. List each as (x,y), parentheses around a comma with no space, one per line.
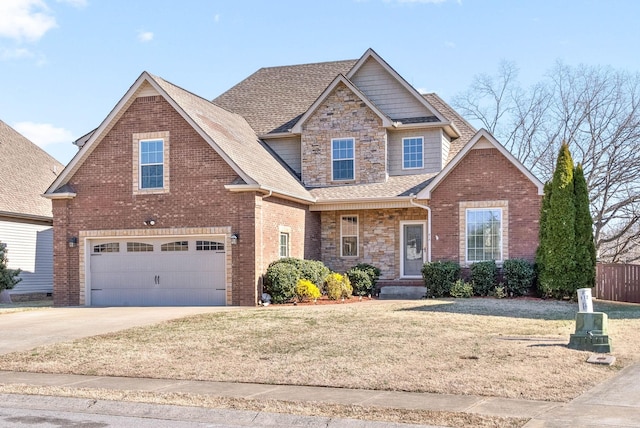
(412,153)
(484,234)
(349,236)
(152,164)
(284,244)
(343,161)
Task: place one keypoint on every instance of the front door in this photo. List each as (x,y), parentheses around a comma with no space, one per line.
(412,249)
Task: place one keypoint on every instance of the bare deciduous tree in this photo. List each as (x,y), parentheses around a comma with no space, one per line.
(596,110)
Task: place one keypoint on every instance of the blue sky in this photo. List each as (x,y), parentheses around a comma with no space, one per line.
(64,64)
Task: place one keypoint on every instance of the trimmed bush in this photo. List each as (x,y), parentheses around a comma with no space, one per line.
(484,276)
(313,270)
(338,286)
(360,281)
(8,277)
(439,277)
(363,278)
(461,289)
(306,290)
(280,282)
(518,276)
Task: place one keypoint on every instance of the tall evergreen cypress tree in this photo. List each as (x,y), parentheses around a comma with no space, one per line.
(542,249)
(585,245)
(559,260)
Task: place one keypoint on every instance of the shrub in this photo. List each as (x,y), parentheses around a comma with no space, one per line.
(460,288)
(8,277)
(499,292)
(518,276)
(306,289)
(312,270)
(360,281)
(439,277)
(280,281)
(338,286)
(363,278)
(484,276)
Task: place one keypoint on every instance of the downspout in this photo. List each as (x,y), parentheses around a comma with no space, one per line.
(425,207)
(261,291)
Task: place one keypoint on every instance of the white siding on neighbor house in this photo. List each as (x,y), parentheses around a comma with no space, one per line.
(30,248)
(289,150)
(432,150)
(387,93)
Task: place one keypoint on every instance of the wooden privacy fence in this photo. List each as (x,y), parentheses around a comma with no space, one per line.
(618,282)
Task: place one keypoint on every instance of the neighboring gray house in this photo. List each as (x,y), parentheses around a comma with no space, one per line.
(25,216)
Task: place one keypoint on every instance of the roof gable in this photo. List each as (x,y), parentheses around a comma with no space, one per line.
(27,171)
(227,133)
(371,59)
(297,128)
(485,136)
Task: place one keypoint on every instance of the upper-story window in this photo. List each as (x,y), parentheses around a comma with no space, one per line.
(342,157)
(152,164)
(412,153)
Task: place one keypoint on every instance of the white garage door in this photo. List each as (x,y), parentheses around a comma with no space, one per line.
(174,271)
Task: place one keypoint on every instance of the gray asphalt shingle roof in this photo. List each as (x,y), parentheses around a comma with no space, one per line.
(27,171)
(272,97)
(237,140)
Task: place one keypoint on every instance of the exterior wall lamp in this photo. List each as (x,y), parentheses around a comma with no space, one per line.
(234,238)
(150,222)
(73,242)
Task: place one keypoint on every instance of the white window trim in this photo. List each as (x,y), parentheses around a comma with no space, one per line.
(137,175)
(354,159)
(503,206)
(357,236)
(288,248)
(421,160)
(424,243)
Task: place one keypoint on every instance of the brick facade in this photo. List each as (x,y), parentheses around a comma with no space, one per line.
(485,175)
(197,199)
(343,115)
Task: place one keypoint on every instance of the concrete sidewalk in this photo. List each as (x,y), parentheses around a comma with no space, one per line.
(614,403)
(391,399)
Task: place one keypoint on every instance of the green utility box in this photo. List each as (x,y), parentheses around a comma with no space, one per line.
(591,333)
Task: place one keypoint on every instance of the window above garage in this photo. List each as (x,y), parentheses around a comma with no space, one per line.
(150,162)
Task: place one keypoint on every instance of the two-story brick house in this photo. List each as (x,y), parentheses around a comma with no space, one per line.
(177,200)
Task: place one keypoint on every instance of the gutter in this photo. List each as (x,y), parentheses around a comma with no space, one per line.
(268,191)
(425,207)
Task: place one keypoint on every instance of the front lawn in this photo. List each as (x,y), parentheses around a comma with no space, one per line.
(502,348)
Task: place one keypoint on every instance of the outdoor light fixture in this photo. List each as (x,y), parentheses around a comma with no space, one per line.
(150,222)
(73,242)
(234,238)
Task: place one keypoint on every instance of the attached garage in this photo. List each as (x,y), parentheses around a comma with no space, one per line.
(167,271)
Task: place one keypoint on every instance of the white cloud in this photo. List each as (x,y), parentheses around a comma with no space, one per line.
(75,3)
(216,17)
(145,36)
(17,53)
(450,45)
(25,19)
(43,134)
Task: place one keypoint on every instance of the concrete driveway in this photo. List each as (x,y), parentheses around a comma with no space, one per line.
(27,329)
